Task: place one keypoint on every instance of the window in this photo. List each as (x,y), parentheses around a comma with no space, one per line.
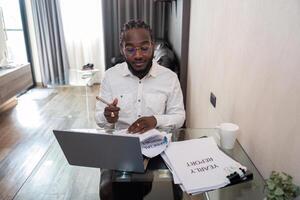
(15,42)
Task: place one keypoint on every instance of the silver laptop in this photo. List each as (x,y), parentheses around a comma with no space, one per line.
(105,151)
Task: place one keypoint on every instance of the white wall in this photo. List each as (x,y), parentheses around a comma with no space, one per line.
(248,54)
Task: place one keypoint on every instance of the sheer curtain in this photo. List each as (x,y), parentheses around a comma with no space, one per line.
(50,42)
(82,22)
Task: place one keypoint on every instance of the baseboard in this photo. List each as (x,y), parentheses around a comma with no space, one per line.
(39,84)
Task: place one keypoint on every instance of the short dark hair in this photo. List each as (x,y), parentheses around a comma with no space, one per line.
(132,24)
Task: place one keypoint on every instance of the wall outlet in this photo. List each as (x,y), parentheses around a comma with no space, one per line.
(213,99)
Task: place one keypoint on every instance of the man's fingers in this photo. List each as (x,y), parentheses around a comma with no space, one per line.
(112,109)
(111,112)
(108,113)
(115,102)
(142,125)
(112,120)
(111,117)
(136,127)
(145,129)
(133,125)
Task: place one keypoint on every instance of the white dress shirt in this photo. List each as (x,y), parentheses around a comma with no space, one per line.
(158,94)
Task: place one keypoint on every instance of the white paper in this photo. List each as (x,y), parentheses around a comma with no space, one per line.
(168,163)
(199,165)
(153,142)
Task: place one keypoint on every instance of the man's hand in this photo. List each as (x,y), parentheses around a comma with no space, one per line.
(111,112)
(142,125)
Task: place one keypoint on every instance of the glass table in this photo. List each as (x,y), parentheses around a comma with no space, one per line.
(157,181)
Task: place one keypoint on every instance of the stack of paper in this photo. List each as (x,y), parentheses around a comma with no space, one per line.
(198,165)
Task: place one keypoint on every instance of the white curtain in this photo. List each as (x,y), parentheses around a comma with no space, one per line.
(82,22)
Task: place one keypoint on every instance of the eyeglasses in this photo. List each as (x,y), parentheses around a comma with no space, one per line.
(144,49)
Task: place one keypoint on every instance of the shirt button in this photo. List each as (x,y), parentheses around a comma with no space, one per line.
(139,115)
(140,82)
(139,100)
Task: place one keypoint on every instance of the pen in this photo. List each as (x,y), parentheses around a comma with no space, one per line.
(103,101)
(112,114)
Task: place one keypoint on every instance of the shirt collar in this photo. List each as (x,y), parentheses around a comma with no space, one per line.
(152,72)
(126,71)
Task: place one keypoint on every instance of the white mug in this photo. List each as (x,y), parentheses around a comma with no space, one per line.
(228,134)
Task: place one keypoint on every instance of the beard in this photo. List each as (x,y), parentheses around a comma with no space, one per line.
(141,73)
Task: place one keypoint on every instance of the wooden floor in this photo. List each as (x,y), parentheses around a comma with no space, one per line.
(30,167)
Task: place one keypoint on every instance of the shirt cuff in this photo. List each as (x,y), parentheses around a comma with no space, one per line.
(160,120)
(101,120)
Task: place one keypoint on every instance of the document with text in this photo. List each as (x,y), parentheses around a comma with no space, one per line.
(198,165)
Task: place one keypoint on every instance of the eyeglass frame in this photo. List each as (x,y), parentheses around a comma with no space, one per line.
(138,48)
